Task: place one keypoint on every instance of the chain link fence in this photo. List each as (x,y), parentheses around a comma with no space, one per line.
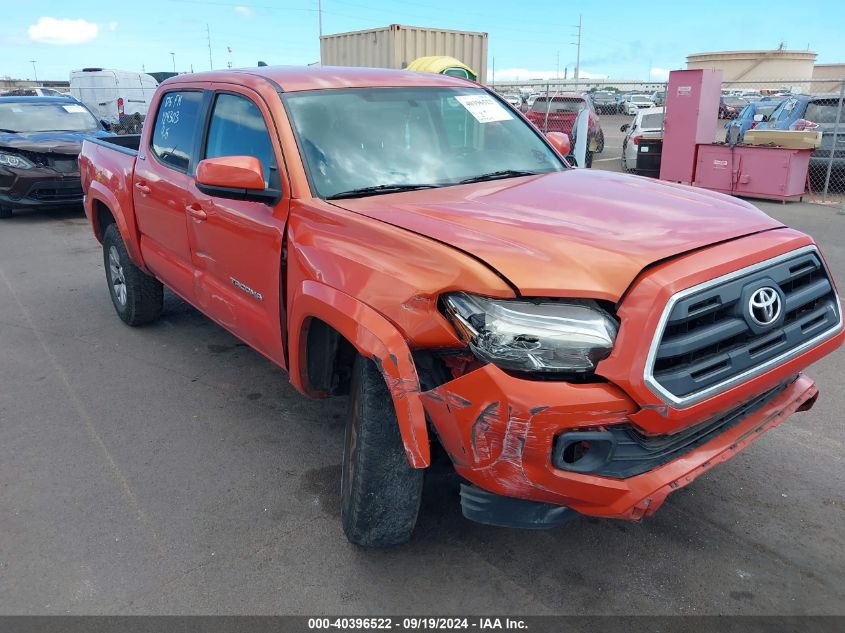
(814,105)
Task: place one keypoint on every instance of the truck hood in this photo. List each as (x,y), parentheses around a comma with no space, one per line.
(578,233)
(58,142)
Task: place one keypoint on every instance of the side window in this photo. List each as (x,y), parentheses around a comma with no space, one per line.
(176,128)
(238,129)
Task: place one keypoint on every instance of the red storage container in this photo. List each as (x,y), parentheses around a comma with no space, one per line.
(692,112)
(774,173)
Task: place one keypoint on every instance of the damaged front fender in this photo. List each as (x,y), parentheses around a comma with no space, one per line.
(372,336)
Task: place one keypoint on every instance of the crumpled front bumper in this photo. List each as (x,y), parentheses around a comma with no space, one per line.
(39,186)
(500,431)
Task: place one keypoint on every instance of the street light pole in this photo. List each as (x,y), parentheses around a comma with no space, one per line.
(173,55)
(34,70)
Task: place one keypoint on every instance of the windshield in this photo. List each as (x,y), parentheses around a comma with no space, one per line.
(559,104)
(641,99)
(822,111)
(46,117)
(603,96)
(735,101)
(361,138)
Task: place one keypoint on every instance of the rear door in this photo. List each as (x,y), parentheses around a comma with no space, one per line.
(236,245)
(162,186)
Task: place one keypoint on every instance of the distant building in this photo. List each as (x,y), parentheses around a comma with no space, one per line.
(758,68)
(833,72)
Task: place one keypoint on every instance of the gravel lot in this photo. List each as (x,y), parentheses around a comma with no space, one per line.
(170,469)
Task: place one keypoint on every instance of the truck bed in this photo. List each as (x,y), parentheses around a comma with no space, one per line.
(126,143)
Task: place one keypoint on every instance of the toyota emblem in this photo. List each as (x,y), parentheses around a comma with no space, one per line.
(764,306)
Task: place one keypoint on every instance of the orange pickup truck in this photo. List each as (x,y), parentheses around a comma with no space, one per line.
(576,341)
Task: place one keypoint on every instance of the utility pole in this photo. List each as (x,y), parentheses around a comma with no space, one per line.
(208,35)
(173,55)
(320,16)
(34,70)
(578,53)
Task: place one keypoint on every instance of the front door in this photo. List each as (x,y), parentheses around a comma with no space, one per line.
(161,188)
(236,245)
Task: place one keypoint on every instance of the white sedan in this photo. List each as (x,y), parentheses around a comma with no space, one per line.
(633,103)
(647,122)
(514,100)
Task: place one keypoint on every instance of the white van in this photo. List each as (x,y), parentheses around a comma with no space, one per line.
(114,96)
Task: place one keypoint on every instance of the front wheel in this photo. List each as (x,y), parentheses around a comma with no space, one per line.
(380,491)
(600,143)
(137,297)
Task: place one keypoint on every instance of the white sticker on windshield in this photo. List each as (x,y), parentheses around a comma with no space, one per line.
(73,108)
(484,108)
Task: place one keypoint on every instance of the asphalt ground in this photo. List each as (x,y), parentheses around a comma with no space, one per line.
(170,469)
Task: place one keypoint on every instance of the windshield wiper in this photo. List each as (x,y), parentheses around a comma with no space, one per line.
(376,190)
(495,175)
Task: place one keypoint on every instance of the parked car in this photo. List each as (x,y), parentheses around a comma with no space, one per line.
(35,91)
(604,102)
(558,114)
(119,98)
(730,107)
(806,112)
(659,98)
(749,117)
(40,139)
(513,99)
(576,341)
(634,102)
(648,122)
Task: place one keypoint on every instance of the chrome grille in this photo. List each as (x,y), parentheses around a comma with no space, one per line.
(707,340)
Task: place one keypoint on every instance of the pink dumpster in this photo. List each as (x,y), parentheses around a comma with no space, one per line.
(774,173)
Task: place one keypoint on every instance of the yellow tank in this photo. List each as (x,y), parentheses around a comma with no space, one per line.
(443,65)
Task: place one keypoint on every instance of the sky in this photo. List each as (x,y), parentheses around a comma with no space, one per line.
(622,40)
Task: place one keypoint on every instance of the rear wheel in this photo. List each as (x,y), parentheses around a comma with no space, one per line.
(380,491)
(5,213)
(600,143)
(137,297)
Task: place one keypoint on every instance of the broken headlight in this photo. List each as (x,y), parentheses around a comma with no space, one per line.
(13,160)
(535,336)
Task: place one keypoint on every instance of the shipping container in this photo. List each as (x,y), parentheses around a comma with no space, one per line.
(396,46)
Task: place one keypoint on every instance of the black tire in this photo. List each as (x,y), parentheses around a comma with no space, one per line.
(588,160)
(143,296)
(380,491)
(600,143)
(5,213)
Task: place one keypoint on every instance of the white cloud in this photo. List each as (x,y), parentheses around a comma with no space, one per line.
(49,30)
(112,26)
(244,12)
(526,74)
(659,73)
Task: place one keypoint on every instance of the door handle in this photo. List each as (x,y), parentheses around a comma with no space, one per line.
(196,212)
(142,188)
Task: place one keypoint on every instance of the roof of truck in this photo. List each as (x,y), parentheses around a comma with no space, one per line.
(296,78)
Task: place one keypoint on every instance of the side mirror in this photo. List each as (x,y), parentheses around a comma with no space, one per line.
(560,142)
(106,125)
(624,127)
(235,177)
(759,118)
